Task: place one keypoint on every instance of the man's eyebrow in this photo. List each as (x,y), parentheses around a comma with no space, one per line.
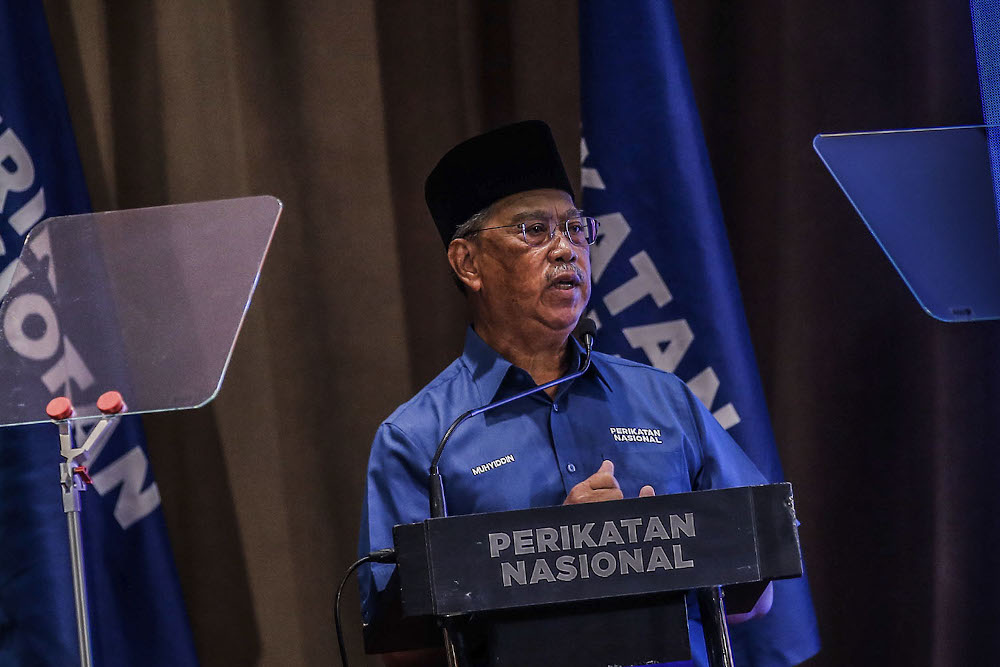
(539,214)
(542,214)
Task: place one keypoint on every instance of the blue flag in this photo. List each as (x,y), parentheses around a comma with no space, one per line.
(665,290)
(136,610)
(985,18)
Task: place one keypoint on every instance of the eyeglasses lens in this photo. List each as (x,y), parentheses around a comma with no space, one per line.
(579,231)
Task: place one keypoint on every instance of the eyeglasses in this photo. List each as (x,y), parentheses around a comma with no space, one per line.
(581,231)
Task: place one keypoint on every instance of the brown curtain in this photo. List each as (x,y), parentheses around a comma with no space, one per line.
(886,420)
(339,109)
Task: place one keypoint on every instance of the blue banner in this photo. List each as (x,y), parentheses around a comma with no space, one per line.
(986,32)
(665,290)
(136,610)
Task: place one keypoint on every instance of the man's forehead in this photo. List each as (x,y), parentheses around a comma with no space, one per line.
(542,202)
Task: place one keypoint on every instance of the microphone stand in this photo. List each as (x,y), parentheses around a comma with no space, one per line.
(453,641)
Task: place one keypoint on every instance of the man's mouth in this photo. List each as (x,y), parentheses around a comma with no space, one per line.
(565,280)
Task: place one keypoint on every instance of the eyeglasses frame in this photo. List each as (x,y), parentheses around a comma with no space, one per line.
(553,230)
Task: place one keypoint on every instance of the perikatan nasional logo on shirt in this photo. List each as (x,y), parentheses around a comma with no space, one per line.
(635,434)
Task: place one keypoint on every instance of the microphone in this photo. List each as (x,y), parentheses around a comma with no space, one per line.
(586,330)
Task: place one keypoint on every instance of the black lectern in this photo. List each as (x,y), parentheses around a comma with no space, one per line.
(599,584)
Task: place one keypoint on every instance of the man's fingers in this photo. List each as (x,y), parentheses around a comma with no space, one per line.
(583,493)
(602,481)
(604,478)
(600,486)
(605,493)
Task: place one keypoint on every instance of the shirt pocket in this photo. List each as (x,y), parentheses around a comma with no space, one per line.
(664,469)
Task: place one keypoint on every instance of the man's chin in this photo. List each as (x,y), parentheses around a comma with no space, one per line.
(561,310)
(565,322)
(572,297)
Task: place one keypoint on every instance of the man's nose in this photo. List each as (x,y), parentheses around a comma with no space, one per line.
(561,246)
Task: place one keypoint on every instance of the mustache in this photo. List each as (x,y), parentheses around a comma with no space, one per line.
(559,270)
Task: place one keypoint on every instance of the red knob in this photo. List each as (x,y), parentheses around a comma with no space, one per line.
(110,403)
(59,408)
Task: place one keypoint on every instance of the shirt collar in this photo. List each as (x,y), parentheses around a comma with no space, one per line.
(489,369)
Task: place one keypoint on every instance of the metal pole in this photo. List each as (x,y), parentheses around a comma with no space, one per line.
(73,477)
(454,642)
(450,654)
(72,484)
(713,621)
(79,589)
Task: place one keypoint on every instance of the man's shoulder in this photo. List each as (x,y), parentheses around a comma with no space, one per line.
(436,402)
(632,381)
(631,371)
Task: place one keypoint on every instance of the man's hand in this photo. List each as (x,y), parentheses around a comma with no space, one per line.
(600,486)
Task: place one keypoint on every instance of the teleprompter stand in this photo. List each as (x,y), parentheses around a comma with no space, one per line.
(74,478)
(144,303)
(593,584)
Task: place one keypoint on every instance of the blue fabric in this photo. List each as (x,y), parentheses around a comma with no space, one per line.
(665,290)
(531,452)
(986,31)
(136,611)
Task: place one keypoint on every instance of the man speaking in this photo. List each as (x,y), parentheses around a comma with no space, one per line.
(520,252)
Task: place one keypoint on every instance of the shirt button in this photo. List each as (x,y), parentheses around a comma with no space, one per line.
(555,406)
(570,467)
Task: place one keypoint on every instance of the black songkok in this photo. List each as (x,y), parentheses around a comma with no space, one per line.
(486,168)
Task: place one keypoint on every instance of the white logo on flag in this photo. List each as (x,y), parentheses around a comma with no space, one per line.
(17,175)
(663,343)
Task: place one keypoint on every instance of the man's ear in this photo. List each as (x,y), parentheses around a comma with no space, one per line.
(463,260)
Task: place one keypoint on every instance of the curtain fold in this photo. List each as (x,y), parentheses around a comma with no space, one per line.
(339,110)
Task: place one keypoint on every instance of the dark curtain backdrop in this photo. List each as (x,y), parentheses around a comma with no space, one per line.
(886,420)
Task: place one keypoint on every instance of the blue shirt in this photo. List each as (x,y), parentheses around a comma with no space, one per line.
(531,452)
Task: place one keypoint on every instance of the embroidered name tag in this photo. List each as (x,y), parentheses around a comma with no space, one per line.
(486,467)
(634,434)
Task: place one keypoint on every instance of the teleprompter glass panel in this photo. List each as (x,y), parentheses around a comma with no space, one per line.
(147,302)
(928,198)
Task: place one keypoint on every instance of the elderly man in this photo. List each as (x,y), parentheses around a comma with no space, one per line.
(520,251)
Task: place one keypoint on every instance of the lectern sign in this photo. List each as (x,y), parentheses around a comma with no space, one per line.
(571,553)
(621,546)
